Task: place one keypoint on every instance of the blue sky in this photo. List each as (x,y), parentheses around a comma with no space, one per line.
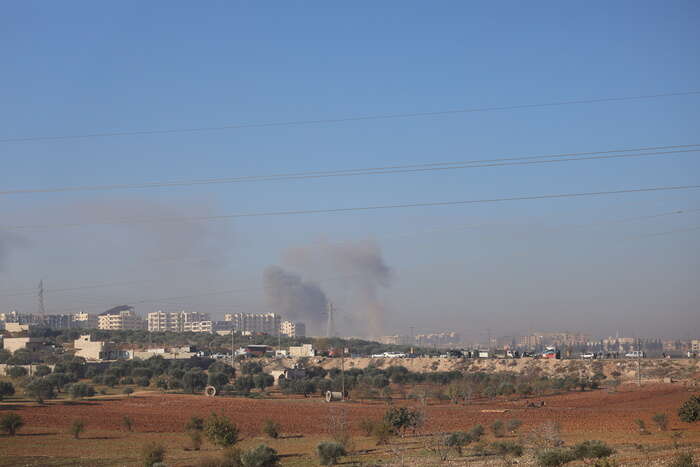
(83,68)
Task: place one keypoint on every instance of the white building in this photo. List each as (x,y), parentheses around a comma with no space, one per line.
(292,329)
(120,318)
(179,321)
(266,323)
(305,350)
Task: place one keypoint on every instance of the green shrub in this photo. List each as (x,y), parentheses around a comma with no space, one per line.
(402,418)
(477,432)
(195,424)
(689,412)
(17,372)
(128,391)
(498,429)
(661,421)
(458,440)
(42,370)
(507,448)
(143,381)
(152,453)
(80,390)
(260,456)
(76,428)
(126,380)
(329,452)
(220,430)
(39,389)
(6,389)
(592,450)
(10,423)
(271,429)
(554,457)
(128,423)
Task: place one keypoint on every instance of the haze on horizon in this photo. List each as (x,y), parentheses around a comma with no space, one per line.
(625,263)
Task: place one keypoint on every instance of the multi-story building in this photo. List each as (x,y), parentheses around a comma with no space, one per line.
(397,339)
(58,321)
(293,329)
(85,320)
(96,350)
(120,318)
(266,323)
(439,339)
(178,321)
(695,346)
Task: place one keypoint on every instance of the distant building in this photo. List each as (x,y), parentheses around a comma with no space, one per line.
(16,327)
(13,344)
(170,353)
(292,329)
(179,321)
(96,350)
(304,350)
(695,346)
(84,320)
(120,318)
(266,323)
(439,339)
(58,321)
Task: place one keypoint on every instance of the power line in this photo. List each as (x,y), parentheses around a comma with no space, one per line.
(355,209)
(412,168)
(356,118)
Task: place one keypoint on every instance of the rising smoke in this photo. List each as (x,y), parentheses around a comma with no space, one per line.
(289,295)
(9,240)
(355,271)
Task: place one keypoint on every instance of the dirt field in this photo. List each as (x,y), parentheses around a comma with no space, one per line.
(588,415)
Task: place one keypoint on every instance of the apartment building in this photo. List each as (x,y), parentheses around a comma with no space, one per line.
(267,323)
(179,321)
(293,329)
(120,318)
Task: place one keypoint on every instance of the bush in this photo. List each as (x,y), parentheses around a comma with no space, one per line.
(683,459)
(128,391)
(80,390)
(128,423)
(195,424)
(554,457)
(271,429)
(513,425)
(592,450)
(260,456)
(330,452)
(402,418)
(152,453)
(42,370)
(10,423)
(367,426)
(220,430)
(17,372)
(477,432)
(641,426)
(6,389)
(661,421)
(39,389)
(76,428)
(251,368)
(143,381)
(126,380)
(689,412)
(195,439)
(507,448)
(458,440)
(109,380)
(498,429)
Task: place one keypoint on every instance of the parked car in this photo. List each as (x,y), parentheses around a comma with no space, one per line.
(635,354)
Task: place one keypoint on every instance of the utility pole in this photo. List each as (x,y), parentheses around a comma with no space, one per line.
(231,344)
(330,331)
(342,373)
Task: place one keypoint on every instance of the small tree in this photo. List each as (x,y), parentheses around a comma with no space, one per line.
(80,390)
(507,449)
(592,450)
(554,457)
(498,429)
(271,429)
(152,453)
(76,428)
(39,389)
(10,423)
(128,423)
(513,425)
(661,421)
(195,424)
(6,389)
(330,452)
(689,412)
(220,430)
(477,432)
(42,370)
(128,391)
(641,426)
(260,456)
(458,440)
(15,372)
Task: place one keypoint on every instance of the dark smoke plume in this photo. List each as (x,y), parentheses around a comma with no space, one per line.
(295,299)
(363,272)
(8,240)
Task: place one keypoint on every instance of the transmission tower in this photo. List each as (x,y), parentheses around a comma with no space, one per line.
(42,309)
